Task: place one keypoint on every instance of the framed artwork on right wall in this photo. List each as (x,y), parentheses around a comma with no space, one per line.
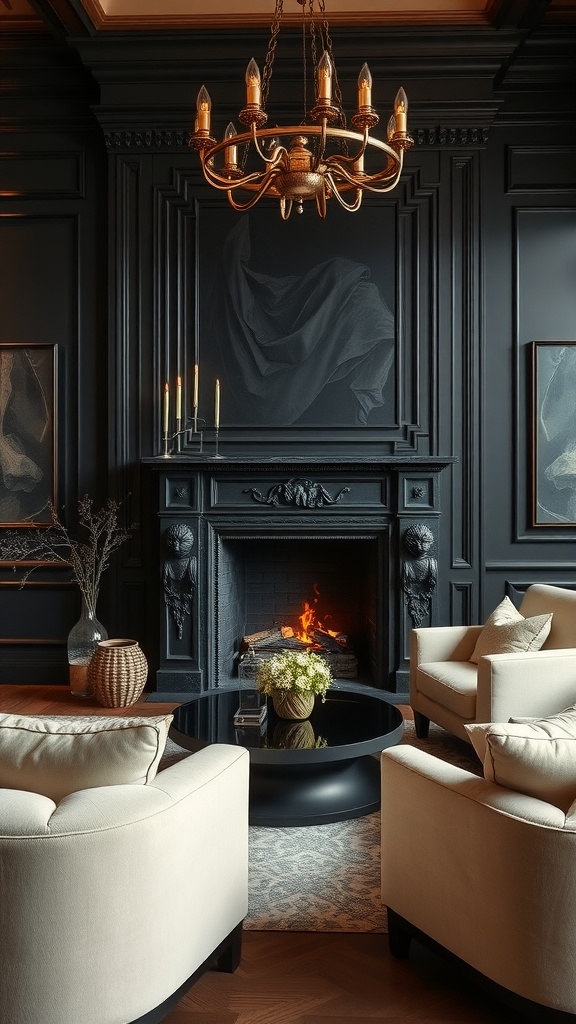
(553,433)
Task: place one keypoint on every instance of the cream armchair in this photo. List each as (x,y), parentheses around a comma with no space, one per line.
(447,688)
(116,898)
(485,872)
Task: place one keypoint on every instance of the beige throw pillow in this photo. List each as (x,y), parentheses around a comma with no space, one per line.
(57,755)
(536,757)
(506,631)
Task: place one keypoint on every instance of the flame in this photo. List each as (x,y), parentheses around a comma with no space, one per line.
(310,623)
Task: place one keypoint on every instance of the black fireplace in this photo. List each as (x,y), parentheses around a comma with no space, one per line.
(248,545)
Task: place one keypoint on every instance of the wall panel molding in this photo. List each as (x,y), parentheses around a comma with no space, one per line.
(37,175)
(540,169)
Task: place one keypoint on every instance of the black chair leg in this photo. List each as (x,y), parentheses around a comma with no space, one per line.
(229,959)
(421,725)
(399,938)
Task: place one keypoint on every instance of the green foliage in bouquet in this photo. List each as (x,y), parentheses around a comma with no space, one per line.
(300,671)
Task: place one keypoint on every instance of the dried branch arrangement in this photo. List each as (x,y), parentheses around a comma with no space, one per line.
(88,556)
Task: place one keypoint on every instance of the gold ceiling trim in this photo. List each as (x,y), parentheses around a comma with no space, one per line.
(454,12)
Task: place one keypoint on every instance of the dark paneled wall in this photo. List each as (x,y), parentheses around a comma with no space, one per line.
(103,219)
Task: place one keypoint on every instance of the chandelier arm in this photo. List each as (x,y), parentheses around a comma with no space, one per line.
(242,207)
(321,147)
(217,181)
(321,204)
(285,207)
(387,179)
(279,154)
(350,207)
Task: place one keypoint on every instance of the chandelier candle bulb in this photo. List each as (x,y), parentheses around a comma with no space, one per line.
(325,79)
(203,107)
(401,110)
(231,152)
(166,407)
(253,84)
(217,405)
(364,87)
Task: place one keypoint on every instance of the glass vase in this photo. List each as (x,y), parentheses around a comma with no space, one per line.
(82,641)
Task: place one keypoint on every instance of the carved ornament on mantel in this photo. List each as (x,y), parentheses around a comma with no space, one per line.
(298,492)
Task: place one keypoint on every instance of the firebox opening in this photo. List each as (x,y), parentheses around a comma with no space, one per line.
(268,585)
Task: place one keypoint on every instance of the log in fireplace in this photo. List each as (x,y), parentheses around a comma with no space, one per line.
(248,544)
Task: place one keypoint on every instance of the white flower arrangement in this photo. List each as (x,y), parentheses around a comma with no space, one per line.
(299,671)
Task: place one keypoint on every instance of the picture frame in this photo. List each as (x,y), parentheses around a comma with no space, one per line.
(299,324)
(553,433)
(28,433)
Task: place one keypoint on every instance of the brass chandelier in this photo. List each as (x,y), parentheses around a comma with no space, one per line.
(318,159)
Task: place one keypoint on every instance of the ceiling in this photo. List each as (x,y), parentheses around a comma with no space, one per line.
(105,15)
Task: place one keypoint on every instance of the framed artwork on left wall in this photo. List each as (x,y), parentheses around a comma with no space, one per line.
(28,433)
(554,433)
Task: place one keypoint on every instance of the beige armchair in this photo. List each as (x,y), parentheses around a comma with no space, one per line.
(486,873)
(115,898)
(450,690)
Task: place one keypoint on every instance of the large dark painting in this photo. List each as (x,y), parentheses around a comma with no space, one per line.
(297,318)
(27,433)
(554,433)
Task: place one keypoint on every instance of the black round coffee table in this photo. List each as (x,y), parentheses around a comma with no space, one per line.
(302,773)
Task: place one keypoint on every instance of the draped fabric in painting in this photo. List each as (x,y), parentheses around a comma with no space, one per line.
(289,336)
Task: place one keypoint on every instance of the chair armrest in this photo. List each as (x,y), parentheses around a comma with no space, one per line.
(533,684)
(495,887)
(141,882)
(443,643)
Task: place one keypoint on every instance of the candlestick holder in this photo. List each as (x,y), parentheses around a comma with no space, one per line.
(216,454)
(195,433)
(192,432)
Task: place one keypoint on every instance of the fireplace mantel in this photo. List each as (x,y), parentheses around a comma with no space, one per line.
(223,506)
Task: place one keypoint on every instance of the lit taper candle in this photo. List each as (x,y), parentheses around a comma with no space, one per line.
(166,406)
(179,398)
(217,405)
(195,398)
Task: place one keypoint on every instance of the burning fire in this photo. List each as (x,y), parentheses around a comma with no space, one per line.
(310,623)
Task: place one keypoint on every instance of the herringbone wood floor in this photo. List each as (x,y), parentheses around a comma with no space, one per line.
(305,978)
(319,978)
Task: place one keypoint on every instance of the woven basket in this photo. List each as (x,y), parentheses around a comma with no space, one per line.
(291,704)
(117,672)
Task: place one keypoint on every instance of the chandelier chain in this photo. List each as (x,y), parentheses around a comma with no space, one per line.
(271,51)
(304,67)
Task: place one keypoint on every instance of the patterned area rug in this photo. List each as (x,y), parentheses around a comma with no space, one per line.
(326,878)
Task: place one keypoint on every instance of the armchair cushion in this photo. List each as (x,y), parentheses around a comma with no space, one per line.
(58,755)
(451,683)
(506,631)
(536,757)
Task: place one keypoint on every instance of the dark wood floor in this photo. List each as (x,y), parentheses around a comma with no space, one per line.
(301,977)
